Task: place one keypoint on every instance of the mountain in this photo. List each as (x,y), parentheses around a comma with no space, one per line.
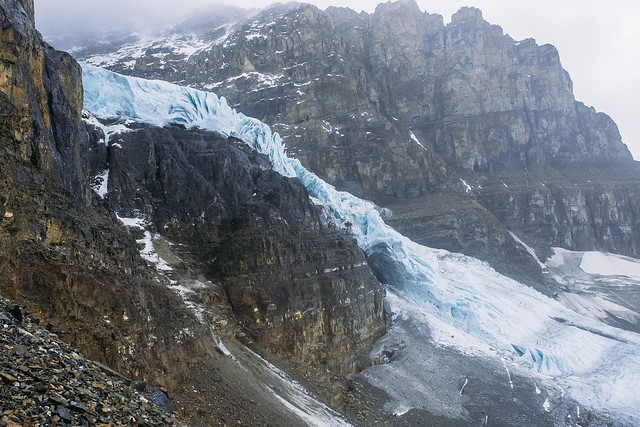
(463,133)
(580,342)
(173,238)
(246,239)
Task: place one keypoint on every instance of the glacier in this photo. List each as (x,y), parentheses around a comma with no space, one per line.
(463,302)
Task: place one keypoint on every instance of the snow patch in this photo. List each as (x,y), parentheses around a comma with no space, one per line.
(466,381)
(148,251)
(504,363)
(596,307)
(606,264)
(100,184)
(467,187)
(109,130)
(415,139)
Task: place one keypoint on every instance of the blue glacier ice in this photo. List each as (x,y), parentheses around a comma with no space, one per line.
(598,364)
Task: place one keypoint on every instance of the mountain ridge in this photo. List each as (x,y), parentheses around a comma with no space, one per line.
(399,108)
(449,296)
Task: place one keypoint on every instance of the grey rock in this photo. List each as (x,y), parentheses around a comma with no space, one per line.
(77,407)
(64,414)
(240,220)
(161,400)
(14,310)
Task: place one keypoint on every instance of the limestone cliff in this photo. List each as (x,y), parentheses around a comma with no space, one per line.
(417,116)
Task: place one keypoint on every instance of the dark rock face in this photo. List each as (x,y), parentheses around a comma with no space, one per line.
(397,107)
(300,289)
(61,258)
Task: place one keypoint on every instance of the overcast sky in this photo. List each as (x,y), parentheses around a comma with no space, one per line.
(599,42)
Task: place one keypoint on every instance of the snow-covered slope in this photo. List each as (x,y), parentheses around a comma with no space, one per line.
(462,302)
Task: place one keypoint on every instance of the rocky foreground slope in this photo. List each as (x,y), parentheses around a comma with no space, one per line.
(464,133)
(45,382)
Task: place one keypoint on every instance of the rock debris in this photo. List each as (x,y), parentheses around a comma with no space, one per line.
(45,382)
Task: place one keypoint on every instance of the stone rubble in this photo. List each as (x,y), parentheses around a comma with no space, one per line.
(45,382)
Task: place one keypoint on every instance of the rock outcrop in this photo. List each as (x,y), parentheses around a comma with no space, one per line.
(399,108)
(41,91)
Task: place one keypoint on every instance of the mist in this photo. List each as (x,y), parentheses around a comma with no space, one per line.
(79,17)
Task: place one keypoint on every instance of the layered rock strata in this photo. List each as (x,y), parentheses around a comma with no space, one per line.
(300,288)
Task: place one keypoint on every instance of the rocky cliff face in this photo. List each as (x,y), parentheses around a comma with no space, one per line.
(68,259)
(299,288)
(42,91)
(404,110)
(60,257)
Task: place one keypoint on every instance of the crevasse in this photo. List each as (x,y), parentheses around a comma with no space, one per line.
(595,360)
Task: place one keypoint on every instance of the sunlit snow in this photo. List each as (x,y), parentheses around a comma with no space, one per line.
(464,302)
